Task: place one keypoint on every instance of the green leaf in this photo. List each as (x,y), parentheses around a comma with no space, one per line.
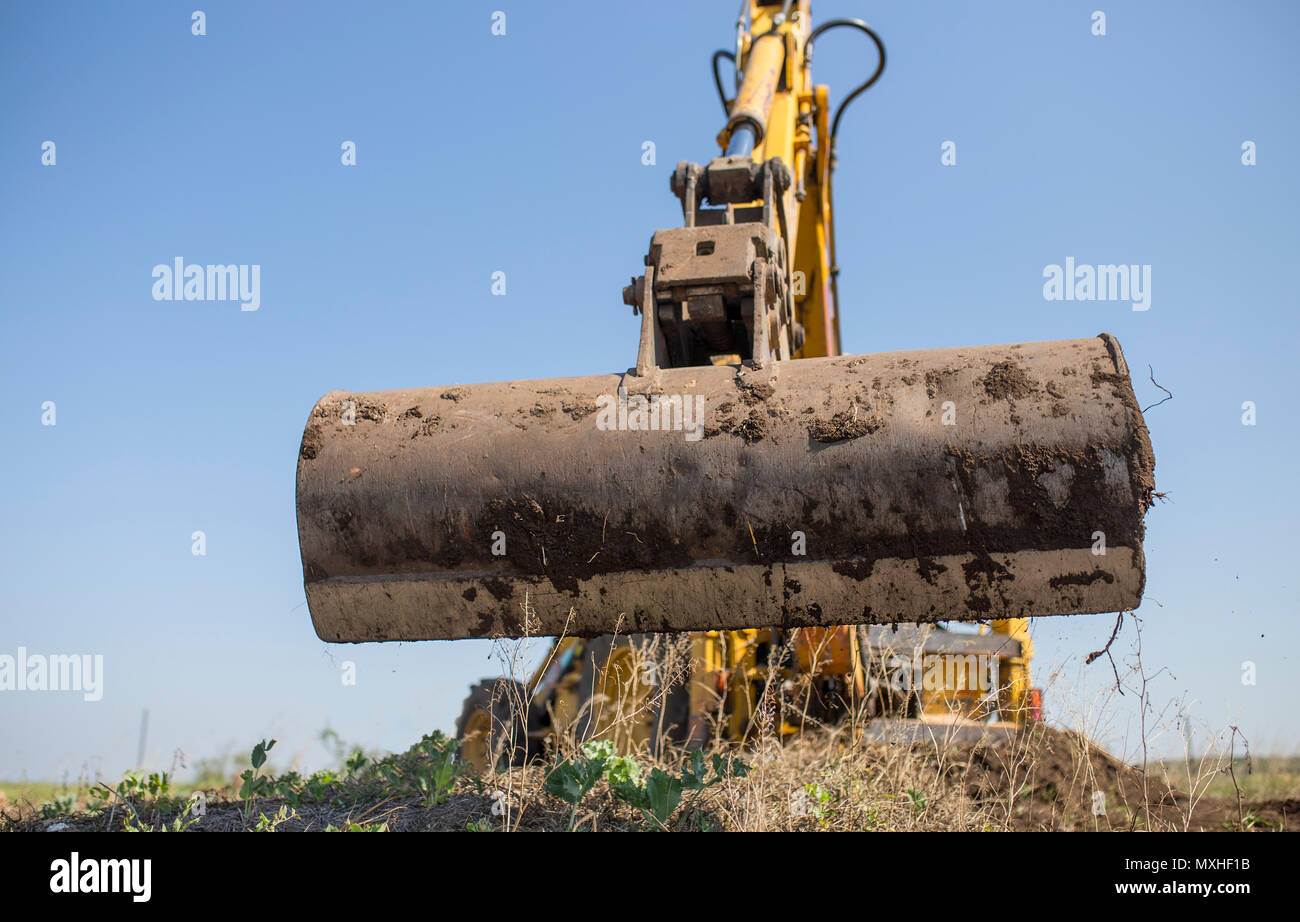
(571,781)
(600,750)
(589,772)
(694,771)
(622,768)
(258,757)
(664,793)
(630,792)
(565,783)
(736,768)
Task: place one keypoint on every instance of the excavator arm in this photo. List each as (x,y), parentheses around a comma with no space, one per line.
(751,275)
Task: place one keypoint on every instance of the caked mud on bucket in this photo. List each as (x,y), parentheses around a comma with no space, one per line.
(943,484)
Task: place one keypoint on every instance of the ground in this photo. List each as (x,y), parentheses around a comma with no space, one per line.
(1043,779)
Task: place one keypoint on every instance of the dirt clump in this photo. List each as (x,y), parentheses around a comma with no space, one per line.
(428,426)
(1008,381)
(371,412)
(753,428)
(845,425)
(1081,578)
(577,410)
(312,442)
(728,419)
(752,393)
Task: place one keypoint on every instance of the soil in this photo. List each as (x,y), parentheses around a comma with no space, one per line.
(845,425)
(1043,779)
(562,550)
(371,412)
(1007,380)
(751,426)
(578,409)
(1052,774)
(313,441)
(752,393)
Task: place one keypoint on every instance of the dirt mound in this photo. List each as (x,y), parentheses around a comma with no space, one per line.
(1046,778)
(1054,779)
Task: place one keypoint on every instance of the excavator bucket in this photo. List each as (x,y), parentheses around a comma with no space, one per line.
(945,484)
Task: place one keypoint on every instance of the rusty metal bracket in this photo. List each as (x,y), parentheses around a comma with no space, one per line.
(647,353)
(720,284)
(762,281)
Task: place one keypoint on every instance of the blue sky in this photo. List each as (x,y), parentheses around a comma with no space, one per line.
(522,153)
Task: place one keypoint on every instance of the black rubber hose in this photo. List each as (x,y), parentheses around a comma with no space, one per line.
(880,67)
(835,130)
(717,78)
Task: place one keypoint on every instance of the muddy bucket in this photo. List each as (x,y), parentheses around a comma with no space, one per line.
(945,484)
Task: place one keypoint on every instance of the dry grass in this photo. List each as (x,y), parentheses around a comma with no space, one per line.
(824,778)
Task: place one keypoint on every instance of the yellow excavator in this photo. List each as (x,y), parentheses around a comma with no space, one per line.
(791,527)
